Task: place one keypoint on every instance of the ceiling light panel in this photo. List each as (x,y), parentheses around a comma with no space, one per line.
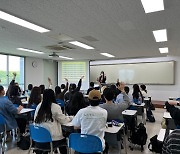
(21,22)
(107,55)
(152,5)
(30,50)
(160,35)
(164,50)
(65,57)
(82,45)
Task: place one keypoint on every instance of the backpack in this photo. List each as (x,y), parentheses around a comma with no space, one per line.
(24,142)
(150,116)
(156,146)
(139,136)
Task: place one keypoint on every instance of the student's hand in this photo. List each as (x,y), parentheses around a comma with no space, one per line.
(122,85)
(20,108)
(117,80)
(49,80)
(14,74)
(66,79)
(82,77)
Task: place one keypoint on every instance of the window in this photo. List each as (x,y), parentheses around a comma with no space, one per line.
(8,65)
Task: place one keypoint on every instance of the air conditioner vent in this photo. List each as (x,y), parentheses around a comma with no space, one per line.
(59,47)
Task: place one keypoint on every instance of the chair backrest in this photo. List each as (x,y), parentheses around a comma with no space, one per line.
(60,102)
(85,143)
(39,134)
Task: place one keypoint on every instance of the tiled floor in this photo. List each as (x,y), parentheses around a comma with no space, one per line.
(152,129)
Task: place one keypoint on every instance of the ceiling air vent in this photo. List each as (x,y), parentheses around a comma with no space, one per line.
(59,47)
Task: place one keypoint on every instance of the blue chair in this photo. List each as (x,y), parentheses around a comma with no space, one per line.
(2,132)
(41,135)
(84,143)
(61,103)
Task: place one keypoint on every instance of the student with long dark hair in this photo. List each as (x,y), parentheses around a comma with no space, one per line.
(137,95)
(144,91)
(102,77)
(49,115)
(35,97)
(76,104)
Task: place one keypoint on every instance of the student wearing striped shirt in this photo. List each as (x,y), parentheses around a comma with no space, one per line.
(172,142)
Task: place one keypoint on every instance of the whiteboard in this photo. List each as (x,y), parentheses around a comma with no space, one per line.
(147,73)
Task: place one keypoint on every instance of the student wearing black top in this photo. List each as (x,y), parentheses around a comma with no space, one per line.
(76,104)
(171,144)
(73,89)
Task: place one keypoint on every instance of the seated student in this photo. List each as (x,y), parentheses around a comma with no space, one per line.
(35,97)
(92,119)
(137,95)
(49,115)
(172,142)
(144,91)
(76,104)
(8,110)
(12,83)
(42,88)
(14,95)
(120,97)
(60,94)
(72,90)
(28,91)
(90,88)
(126,89)
(114,110)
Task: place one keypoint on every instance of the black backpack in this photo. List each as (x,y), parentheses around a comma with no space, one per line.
(139,136)
(155,145)
(150,116)
(24,142)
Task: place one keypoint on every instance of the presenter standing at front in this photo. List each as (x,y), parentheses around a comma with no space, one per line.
(102,78)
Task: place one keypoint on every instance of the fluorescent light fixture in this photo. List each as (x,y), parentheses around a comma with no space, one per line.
(30,50)
(66,57)
(163,50)
(160,35)
(107,54)
(21,22)
(152,5)
(82,45)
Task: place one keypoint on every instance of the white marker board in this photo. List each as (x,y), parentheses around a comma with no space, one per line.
(147,73)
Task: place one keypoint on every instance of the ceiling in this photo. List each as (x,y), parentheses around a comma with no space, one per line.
(118,27)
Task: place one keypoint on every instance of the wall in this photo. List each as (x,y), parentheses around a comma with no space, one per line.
(158,92)
(38,75)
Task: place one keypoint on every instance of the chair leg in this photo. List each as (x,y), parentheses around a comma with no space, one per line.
(51,148)
(30,146)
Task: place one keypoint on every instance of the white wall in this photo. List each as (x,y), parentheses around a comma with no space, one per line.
(158,92)
(38,75)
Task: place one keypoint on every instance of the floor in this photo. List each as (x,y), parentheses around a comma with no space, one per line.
(152,129)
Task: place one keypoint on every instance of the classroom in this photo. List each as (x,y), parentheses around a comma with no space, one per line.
(112,63)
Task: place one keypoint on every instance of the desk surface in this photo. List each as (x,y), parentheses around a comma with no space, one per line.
(113,129)
(25,110)
(167,115)
(25,103)
(129,112)
(162,134)
(141,105)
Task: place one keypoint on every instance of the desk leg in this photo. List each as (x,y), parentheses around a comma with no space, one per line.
(125,145)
